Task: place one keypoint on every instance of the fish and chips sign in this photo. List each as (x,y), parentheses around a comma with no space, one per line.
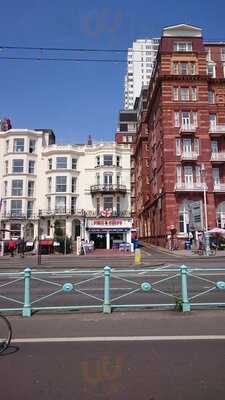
(109,223)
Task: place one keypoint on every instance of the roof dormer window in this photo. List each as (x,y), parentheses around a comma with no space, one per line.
(182,46)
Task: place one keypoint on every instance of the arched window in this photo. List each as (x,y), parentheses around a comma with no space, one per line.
(190,216)
(220,215)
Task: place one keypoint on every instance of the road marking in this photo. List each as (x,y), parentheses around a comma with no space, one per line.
(119,339)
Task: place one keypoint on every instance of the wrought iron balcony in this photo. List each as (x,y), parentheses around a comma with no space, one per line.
(217,129)
(108,189)
(17,216)
(188,129)
(62,211)
(219,187)
(218,157)
(190,187)
(188,156)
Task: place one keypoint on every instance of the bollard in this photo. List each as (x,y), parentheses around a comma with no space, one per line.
(184,289)
(107,305)
(137,256)
(26,306)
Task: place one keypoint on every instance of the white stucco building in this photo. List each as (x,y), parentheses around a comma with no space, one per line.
(140,62)
(83,190)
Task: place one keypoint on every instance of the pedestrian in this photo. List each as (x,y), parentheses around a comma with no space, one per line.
(12,247)
(20,244)
(169,241)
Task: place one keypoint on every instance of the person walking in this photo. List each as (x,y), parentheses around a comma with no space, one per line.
(20,244)
(12,247)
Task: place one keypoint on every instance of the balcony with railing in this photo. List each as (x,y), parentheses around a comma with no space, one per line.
(216,129)
(17,216)
(219,187)
(108,189)
(189,156)
(218,157)
(189,187)
(188,129)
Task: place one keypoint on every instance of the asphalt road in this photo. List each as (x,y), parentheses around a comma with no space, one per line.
(97,357)
(122,370)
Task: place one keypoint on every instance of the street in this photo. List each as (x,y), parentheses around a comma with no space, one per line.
(98,357)
(84,354)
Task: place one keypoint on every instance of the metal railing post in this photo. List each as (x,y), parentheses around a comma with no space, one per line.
(184,289)
(26,306)
(106,304)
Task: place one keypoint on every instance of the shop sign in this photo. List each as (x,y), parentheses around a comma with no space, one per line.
(109,223)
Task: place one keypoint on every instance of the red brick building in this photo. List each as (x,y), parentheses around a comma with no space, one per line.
(185,126)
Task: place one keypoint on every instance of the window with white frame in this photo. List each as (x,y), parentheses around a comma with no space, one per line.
(178,147)
(18,145)
(73,184)
(61,162)
(98,161)
(61,184)
(16,208)
(184,93)
(30,206)
(223,54)
(73,204)
(17,187)
(118,205)
(211,97)
(97,205)
(118,161)
(30,191)
(60,204)
(211,70)
(107,159)
(175,93)
(31,165)
(107,179)
(32,145)
(17,166)
(50,163)
(183,68)
(74,163)
(108,202)
(193,93)
(182,46)
(5,188)
(212,121)
(175,68)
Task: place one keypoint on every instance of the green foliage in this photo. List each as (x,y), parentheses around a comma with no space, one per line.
(178,304)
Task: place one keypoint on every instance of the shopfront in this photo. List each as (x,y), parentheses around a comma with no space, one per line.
(108,232)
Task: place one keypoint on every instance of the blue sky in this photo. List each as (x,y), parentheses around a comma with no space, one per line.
(78,99)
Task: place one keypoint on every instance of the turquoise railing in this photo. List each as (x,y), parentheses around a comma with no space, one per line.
(108,289)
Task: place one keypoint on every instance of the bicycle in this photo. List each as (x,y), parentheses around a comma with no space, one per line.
(5,333)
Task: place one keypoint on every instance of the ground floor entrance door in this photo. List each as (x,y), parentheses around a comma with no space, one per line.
(99,240)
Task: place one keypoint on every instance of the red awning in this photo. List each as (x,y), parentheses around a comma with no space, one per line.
(46,242)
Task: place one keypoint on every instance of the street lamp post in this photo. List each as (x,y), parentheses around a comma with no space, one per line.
(206,233)
(39,236)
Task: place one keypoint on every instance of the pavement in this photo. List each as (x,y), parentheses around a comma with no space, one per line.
(181,252)
(124,356)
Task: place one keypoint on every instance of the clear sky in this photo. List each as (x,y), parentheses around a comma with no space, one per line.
(77,99)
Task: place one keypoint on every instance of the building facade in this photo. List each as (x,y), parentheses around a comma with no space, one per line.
(185,119)
(68,190)
(140,61)
(126,133)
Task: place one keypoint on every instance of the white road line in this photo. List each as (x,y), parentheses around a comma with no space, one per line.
(119,339)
